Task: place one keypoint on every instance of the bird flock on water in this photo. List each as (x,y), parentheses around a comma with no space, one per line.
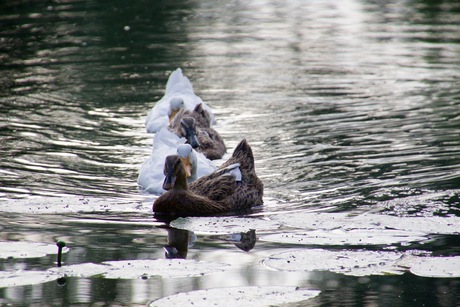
(180,168)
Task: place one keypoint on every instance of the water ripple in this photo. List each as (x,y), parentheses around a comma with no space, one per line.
(340,101)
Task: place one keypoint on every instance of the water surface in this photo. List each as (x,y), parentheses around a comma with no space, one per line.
(348,106)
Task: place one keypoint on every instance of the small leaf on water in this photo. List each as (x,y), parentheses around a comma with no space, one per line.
(21,249)
(223,225)
(47,205)
(356,263)
(80,270)
(168,268)
(23,278)
(345,237)
(239,296)
(348,221)
(437,267)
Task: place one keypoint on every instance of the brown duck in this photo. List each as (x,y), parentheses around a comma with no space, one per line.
(203,139)
(233,186)
(202,117)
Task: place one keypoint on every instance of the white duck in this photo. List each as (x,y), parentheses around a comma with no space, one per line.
(166,143)
(179,94)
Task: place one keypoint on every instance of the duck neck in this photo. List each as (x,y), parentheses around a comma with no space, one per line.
(181,183)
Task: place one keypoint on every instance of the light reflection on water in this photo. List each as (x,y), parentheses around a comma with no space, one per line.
(346,104)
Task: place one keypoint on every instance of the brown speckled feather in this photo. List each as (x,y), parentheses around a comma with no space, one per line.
(210,142)
(243,155)
(216,193)
(201,116)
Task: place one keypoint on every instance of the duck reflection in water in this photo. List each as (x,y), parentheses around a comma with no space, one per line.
(243,240)
(180,240)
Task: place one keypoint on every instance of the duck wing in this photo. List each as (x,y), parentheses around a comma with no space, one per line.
(214,136)
(157,117)
(242,154)
(250,189)
(166,138)
(205,166)
(151,175)
(246,196)
(211,143)
(217,189)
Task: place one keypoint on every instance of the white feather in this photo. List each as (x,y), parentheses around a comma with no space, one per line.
(178,87)
(166,143)
(234,170)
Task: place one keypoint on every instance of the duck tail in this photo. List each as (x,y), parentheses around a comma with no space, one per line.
(243,153)
(174,79)
(199,108)
(177,82)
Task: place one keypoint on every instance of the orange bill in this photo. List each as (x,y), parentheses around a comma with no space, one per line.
(171,116)
(188,166)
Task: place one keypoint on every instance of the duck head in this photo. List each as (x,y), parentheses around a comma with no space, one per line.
(175,105)
(188,130)
(188,157)
(175,174)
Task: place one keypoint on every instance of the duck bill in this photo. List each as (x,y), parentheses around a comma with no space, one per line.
(187,165)
(169,181)
(193,141)
(171,116)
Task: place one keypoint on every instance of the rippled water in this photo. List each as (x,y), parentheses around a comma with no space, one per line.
(347,104)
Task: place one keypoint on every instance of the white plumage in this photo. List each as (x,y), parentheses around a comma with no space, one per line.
(179,93)
(166,143)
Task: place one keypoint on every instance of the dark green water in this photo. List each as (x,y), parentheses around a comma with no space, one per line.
(348,105)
